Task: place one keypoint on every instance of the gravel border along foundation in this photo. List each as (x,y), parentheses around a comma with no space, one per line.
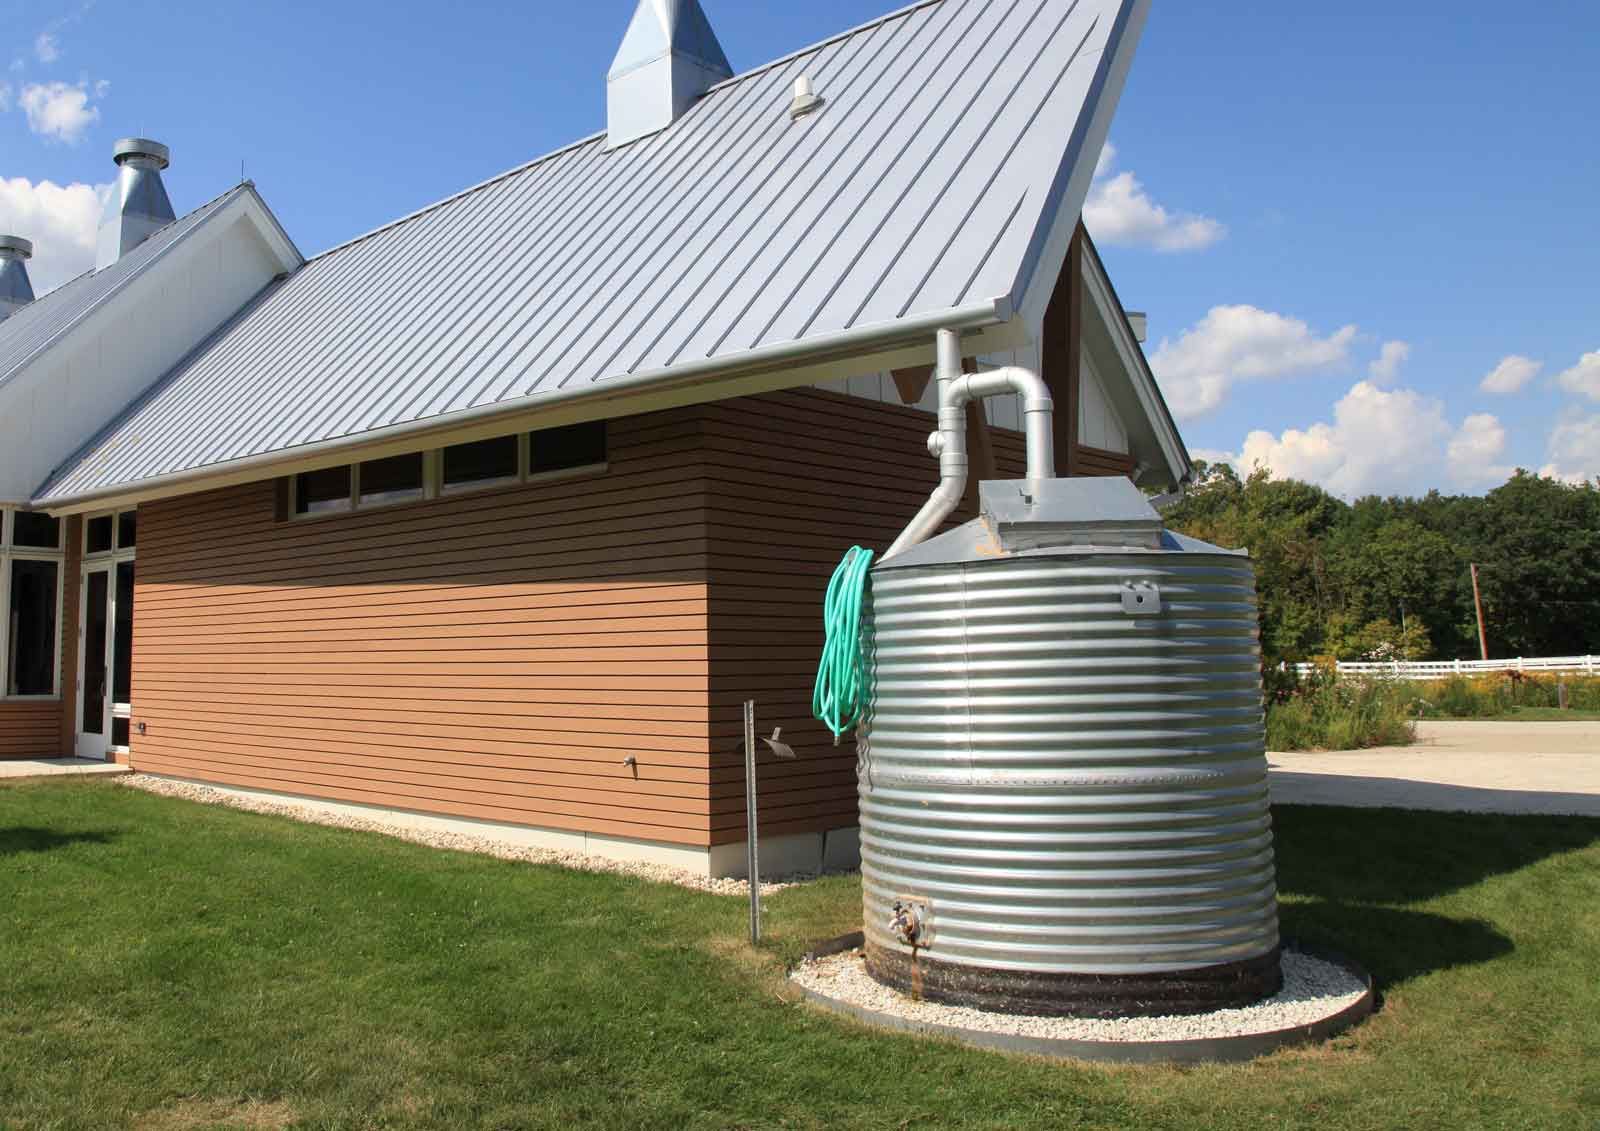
(1314,990)
(458,842)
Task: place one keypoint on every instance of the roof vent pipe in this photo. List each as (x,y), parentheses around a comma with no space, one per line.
(16,289)
(949,443)
(805,98)
(668,59)
(138,205)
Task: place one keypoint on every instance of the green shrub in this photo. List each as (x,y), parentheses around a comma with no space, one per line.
(1326,711)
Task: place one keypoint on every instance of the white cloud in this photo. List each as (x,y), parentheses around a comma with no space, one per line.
(1574,449)
(1473,450)
(1119,211)
(1511,374)
(47,48)
(59,219)
(1379,441)
(1107,161)
(1240,343)
(60,110)
(1583,377)
(1386,368)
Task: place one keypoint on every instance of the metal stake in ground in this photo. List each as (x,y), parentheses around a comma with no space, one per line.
(753,858)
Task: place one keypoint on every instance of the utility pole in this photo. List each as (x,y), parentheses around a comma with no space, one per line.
(1477,601)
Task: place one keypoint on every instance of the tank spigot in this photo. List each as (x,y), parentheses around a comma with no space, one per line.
(905,923)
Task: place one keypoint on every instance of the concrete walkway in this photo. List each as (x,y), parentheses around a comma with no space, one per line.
(1476,767)
(56,767)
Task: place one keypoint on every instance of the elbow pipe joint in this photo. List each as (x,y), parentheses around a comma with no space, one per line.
(949,443)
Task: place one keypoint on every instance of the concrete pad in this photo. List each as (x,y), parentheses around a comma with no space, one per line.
(58,767)
(1475,767)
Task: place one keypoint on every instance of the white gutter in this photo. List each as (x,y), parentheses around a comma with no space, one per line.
(949,443)
(843,344)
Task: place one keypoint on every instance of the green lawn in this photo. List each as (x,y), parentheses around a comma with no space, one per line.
(168,965)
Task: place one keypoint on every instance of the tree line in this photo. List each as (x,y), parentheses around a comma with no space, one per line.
(1390,578)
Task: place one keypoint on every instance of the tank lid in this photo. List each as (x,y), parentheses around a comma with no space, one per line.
(1019,517)
(1108,512)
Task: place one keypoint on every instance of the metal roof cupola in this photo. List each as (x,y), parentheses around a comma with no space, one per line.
(16,289)
(668,59)
(138,205)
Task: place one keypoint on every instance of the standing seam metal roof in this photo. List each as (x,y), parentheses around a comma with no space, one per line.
(918,188)
(34,328)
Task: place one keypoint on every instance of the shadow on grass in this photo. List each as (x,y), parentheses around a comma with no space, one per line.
(14,841)
(1346,876)
(1395,945)
(1407,856)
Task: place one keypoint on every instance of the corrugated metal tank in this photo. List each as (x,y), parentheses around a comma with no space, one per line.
(1063,782)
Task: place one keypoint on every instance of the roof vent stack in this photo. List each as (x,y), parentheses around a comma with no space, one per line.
(16,289)
(138,205)
(668,59)
(806,100)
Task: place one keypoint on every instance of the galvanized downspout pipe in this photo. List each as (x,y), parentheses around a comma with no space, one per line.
(949,443)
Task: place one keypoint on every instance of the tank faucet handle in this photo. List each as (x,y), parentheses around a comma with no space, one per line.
(780,750)
(906,922)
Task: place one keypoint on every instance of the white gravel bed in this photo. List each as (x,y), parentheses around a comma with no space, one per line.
(1313,989)
(459,842)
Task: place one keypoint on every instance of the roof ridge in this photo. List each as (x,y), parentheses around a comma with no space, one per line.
(455,196)
(590,139)
(898,13)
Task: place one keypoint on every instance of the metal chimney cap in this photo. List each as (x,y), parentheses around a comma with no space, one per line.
(15,247)
(129,148)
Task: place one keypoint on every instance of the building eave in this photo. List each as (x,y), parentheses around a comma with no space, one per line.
(766,369)
(1098,286)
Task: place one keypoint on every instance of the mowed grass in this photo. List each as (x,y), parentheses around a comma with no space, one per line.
(170,965)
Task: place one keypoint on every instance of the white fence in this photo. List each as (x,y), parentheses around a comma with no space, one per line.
(1444,669)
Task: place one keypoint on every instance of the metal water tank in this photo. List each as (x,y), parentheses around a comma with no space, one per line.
(1062,775)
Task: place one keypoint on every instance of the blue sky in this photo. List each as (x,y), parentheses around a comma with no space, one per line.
(1342,218)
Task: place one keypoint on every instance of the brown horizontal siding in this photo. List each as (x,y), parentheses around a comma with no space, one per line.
(498,655)
(30,729)
(495,655)
(1103,463)
(794,480)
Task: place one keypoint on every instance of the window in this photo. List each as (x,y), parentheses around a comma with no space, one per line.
(319,492)
(496,462)
(559,449)
(127,530)
(393,480)
(97,535)
(486,461)
(31,635)
(36,531)
(31,569)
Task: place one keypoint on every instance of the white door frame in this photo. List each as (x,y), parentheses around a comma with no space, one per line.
(88,744)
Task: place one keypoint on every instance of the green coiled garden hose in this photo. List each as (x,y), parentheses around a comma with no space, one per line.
(840,696)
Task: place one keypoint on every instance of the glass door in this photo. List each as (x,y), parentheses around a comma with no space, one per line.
(94,713)
(121,706)
(105,664)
